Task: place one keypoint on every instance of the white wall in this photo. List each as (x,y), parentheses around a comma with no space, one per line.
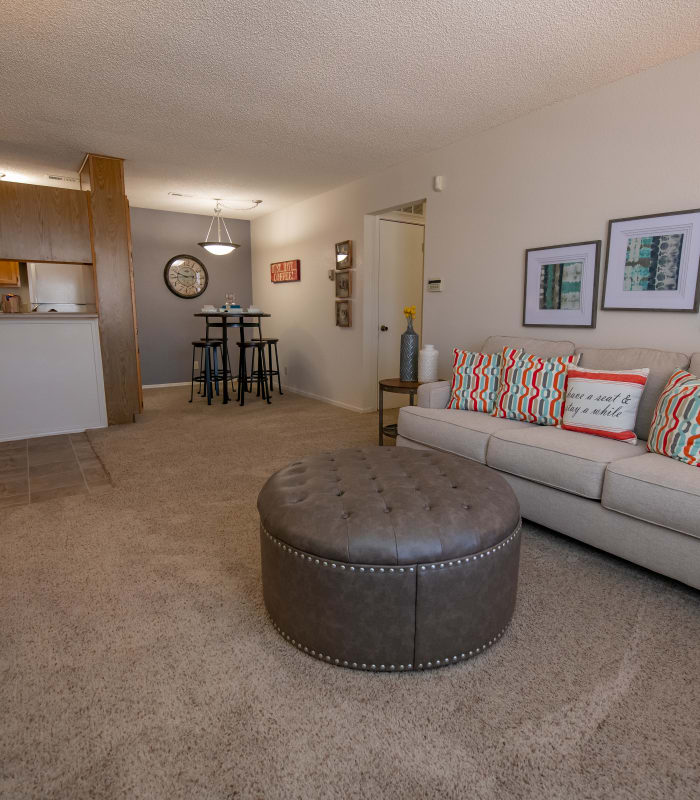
(554,176)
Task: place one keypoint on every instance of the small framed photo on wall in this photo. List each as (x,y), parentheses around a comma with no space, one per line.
(653,263)
(343,284)
(561,285)
(343,255)
(343,313)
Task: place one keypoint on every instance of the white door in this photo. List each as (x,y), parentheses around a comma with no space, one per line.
(400,284)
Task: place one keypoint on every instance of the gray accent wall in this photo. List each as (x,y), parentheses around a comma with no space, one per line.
(166,325)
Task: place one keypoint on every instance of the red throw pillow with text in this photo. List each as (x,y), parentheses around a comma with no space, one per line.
(604,402)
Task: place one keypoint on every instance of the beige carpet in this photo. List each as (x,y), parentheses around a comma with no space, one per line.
(137,661)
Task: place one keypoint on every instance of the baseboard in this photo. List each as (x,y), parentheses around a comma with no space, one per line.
(302,392)
(328,400)
(164,385)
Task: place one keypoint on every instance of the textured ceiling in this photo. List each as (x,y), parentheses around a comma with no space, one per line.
(282,100)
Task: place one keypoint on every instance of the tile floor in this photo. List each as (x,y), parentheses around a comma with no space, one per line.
(32,470)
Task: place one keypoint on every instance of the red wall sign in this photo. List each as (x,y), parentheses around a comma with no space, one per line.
(285,271)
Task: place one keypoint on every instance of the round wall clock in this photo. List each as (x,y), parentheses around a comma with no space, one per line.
(186,276)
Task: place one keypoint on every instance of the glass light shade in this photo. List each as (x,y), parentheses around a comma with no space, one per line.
(218,248)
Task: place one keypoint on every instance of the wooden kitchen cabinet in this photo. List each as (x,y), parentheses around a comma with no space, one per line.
(43,223)
(9,273)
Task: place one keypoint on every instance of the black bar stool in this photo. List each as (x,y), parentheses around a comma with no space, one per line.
(260,375)
(208,372)
(218,374)
(271,342)
(249,375)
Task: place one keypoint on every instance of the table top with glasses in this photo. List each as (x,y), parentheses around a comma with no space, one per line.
(232,314)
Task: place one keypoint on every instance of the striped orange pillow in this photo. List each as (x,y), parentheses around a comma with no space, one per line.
(604,402)
(675,429)
(474,380)
(532,388)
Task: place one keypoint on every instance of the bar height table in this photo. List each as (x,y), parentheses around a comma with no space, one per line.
(227,316)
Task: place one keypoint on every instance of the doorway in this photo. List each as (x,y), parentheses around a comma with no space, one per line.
(400,266)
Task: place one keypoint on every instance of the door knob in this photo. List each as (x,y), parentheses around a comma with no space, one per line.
(383,328)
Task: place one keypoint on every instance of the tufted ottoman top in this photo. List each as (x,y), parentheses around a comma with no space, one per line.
(388,505)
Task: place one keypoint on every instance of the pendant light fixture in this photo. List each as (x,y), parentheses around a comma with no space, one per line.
(218,246)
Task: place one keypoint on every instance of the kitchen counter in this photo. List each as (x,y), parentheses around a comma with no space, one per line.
(51,369)
(52,314)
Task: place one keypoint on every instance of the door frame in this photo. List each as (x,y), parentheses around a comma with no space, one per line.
(370,295)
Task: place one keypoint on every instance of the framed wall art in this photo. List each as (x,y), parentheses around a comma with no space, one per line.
(653,263)
(343,284)
(561,285)
(343,313)
(285,271)
(343,255)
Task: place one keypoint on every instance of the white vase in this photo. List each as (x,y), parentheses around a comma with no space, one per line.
(428,364)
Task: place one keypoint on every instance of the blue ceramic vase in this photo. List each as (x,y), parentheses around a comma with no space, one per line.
(408,369)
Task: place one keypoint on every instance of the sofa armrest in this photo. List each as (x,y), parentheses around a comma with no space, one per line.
(434,395)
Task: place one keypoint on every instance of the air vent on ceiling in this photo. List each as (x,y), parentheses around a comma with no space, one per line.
(65,178)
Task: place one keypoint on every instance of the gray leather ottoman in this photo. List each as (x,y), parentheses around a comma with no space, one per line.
(389,558)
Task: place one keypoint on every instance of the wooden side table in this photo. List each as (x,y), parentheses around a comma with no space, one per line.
(397,387)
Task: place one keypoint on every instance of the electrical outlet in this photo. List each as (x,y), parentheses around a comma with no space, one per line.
(196,364)
(285,372)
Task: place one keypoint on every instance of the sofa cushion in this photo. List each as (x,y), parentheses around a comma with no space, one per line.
(572,462)
(656,489)
(465,433)
(694,364)
(661,364)
(538,347)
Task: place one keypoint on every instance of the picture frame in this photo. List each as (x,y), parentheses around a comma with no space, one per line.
(653,263)
(285,271)
(561,285)
(343,313)
(343,284)
(343,255)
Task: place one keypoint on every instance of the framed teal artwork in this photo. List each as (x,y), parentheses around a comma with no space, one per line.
(653,263)
(561,285)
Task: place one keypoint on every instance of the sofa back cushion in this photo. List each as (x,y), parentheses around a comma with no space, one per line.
(545,348)
(694,367)
(661,364)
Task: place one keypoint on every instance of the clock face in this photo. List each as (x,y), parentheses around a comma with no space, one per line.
(186,276)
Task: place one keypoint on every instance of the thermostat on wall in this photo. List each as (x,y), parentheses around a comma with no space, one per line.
(434,284)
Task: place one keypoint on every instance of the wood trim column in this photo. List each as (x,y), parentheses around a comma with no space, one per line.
(110,234)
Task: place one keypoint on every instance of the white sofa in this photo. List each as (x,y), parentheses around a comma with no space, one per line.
(615,496)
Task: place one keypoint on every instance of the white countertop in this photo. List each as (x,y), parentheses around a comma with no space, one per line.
(49,314)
